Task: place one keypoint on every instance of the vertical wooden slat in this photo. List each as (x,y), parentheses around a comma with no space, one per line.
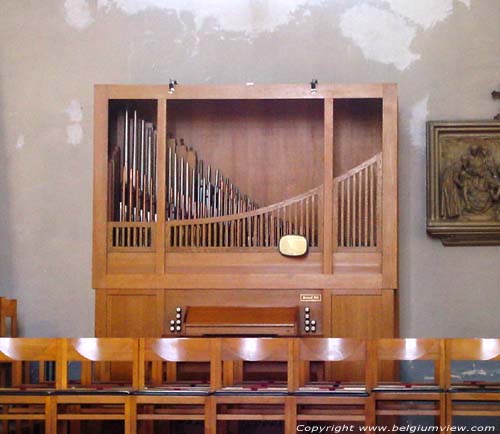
(160,194)
(372,208)
(379,230)
(219,234)
(365,238)
(313,220)
(244,232)
(360,215)
(262,225)
(254,222)
(283,222)
(238,235)
(328,186)
(307,232)
(389,193)
(230,226)
(354,210)
(301,217)
(318,216)
(100,206)
(348,206)
(110,235)
(335,216)
(273,228)
(264,241)
(342,213)
(168,236)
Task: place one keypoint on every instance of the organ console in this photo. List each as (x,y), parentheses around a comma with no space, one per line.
(195,189)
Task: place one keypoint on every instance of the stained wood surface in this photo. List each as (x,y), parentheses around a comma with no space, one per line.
(232,316)
(239,137)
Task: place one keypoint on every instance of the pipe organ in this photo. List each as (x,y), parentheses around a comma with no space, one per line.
(194,189)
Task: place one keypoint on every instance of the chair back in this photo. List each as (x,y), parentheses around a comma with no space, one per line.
(330,350)
(234,350)
(19,351)
(171,351)
(470,349)
(411,349)
(91,351)
(8,311)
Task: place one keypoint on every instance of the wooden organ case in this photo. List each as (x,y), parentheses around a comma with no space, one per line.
(195,186)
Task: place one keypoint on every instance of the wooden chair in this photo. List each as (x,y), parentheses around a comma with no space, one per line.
(328,400)
(102,398)
(28,398)
(237,399)
(471,398)
(8,329)
(8,313)
(170,400)
(402,398)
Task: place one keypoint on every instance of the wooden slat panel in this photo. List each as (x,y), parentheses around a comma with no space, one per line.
(390,188)
(100,184)
(161,176)
(328,185)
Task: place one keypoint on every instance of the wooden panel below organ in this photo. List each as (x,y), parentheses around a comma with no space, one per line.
(374,315)
(363,316)
(177,303)
(129,313)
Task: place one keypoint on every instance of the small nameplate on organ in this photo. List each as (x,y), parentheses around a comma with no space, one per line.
(293,245)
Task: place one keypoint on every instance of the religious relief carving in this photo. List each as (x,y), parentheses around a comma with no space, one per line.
(496,95)
(470,185)
(463,182)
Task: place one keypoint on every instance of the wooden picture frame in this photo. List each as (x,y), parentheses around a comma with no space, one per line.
(463,182)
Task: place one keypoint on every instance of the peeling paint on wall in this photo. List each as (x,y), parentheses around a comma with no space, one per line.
(382,35)
(20,141)
(77,14)
(74,111)
(385,35)
(74,134)
(419,113)
(466,2)
(424,13)
(248,16)
(74,131)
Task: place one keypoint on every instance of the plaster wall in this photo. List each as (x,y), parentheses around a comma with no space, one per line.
(444,54)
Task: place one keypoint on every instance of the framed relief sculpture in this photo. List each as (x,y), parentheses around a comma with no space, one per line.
(463,182)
